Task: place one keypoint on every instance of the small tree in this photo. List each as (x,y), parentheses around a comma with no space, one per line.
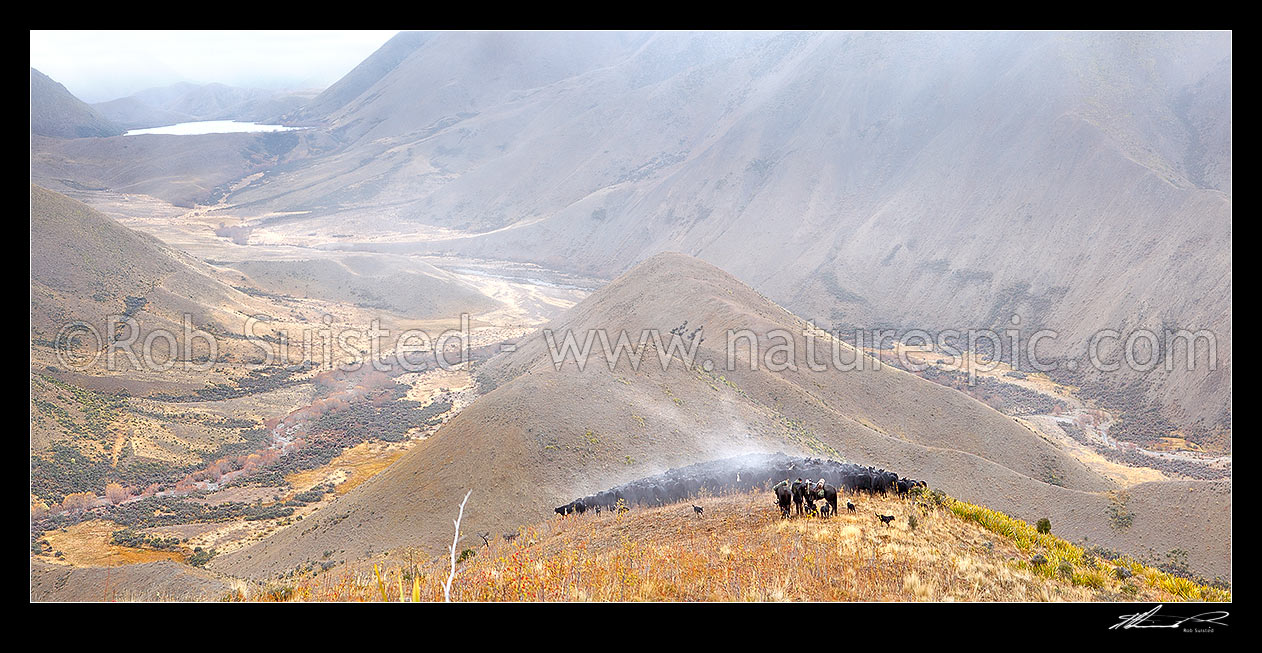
(116,493)
(78,501)
(1044,525)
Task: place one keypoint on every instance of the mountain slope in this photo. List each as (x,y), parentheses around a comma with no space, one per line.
(544,436)
(937,181)
(85,266)
(55,112)
(361,78)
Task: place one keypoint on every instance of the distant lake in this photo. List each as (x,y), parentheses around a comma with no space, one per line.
(210,127)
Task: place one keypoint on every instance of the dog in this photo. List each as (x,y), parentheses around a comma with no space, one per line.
(696,509)
(849,507)
(886,519)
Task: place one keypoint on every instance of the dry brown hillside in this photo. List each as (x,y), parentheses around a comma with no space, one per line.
(85,266)
(150,581)
(543,437)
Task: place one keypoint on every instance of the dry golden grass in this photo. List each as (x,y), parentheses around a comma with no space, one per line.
(87,544)
(741,550)
(350,468)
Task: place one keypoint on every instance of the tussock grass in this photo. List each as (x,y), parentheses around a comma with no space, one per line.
(1086,571)
(741,550)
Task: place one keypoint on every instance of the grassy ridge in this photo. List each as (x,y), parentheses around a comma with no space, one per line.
(741,550)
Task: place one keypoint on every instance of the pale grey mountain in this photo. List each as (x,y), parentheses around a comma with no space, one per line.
(185,102)
(945,180)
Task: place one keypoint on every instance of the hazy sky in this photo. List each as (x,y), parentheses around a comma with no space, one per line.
(103,65)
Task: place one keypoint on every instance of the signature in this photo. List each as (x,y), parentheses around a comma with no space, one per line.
(1151,619)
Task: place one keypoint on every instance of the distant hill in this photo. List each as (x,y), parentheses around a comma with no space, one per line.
(919,180)
(186,102)
(55,112)
(542,437)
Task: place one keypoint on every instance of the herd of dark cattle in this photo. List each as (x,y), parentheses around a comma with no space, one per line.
(797,482)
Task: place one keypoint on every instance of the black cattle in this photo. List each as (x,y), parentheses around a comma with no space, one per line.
(579,506)
(863,482)
(885,519)
(903,486)
(784,496)
(882,480)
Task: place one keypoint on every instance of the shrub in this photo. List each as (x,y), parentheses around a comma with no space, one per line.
(1044,525)
(201,557)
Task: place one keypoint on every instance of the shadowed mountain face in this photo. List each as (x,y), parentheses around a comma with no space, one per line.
(939,181)
(55,112)
(544,435)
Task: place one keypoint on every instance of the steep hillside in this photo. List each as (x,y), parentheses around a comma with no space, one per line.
(943,180)
(85,266)
(544,436)
(361,78)
(56,113)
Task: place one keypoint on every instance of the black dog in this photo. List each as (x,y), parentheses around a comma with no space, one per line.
(886,519)
(696,509)
(849,506)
